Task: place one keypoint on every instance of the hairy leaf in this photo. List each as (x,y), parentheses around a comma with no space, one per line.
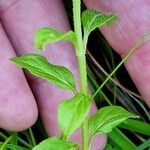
(47,35)
(71,113)
(56,144)
(92,19)
(39,66)
(107,118)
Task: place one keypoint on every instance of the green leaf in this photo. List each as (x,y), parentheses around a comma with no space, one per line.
(47,35)
(92,19)
(107,118)
(71,113)
(56,144)
(39,66)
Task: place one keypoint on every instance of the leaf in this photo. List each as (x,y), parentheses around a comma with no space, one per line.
(71,113)
(47,35)
(107,118)
(39,66)
(92,19)
(56,144)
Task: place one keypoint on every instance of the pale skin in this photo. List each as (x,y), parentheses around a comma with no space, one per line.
(19,21)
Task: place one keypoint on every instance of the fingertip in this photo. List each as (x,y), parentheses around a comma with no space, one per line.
(19,117)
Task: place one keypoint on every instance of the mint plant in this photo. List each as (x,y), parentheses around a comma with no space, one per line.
(73,113)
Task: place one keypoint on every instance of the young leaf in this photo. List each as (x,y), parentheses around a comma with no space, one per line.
(71,113)
(39,66)
(47,35)
(107,118)
(92,19)
(56,144)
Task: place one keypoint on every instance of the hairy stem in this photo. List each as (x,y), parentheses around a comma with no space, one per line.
(32,137)
(5,143)
(80,52)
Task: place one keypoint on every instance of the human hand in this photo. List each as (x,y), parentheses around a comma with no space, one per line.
(20,20)
(133,22)
(26,17)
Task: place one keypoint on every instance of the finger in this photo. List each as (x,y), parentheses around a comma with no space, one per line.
(25,11)
(27,16)
(133,22)
(18,109)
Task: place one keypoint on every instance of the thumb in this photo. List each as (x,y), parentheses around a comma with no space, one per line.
(133,22)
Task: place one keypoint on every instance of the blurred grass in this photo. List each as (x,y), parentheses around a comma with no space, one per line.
(120,90)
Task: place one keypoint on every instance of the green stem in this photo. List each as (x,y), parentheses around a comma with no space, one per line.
(24,142)
(140,42)
(83,73)
(3,136)
(13,147)
(32,137)
(5,143)
(77,26)
(80,52)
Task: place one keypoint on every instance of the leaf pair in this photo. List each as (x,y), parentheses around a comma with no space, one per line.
(91,19)
(71,114)
(59,75)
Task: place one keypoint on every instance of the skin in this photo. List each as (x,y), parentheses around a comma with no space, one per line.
(23,95)
(132,24)
(20,29)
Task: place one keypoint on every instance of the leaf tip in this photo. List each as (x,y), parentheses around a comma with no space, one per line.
(38,45)
(113,19)
(38,39)
(13,59)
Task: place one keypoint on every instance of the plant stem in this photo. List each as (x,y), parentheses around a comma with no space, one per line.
(83,84)
(3,136)
(80,52)
(77,26)
(5,143)
(32,137)
(24,143)
(83,73)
